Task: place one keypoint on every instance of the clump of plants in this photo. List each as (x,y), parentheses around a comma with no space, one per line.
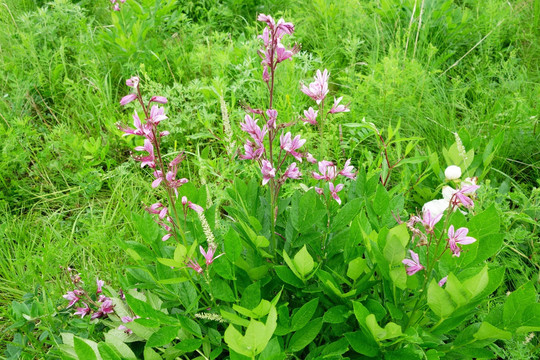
(329,272)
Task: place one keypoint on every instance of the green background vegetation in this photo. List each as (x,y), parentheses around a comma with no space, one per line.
(68,188)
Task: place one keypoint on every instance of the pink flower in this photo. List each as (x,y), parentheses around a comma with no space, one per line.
(116,7)
(319,191)
(267,19)
(310,116)
(146,160)
(291,146)
(82,311)
(191,205)
(133,81)
(127,99)
(266,74)
(310,159)
(443,281)
(166,237)
(159,99)
(338,108)
(157,114)
(413,266)
(250,126)
(429,221)
(100,284)
(268,171)
(107,307)
(335,190)
(195,266)
(209,256)
(72,296)
(272,116)
(462,196)
(139,127)
(458,237)
(327,171)
(347,170)
(282,53)
(292,172)
(318,89)
(251,152)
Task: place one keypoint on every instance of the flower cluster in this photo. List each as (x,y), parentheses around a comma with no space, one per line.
(328,172)
(116,4)
(98,306)
(165,176)
(208,257)
(432,213)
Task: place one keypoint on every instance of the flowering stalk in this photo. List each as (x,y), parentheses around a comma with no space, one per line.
(165,176)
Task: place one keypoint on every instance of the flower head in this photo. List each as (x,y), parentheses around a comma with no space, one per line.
(100,284)
(209,256)
(318,89)
(292,172)
(443,281)
(268,171)
(413,266)
(327,169)
(458,236)
(461,197)
(127,99)
(453,172)
(337,108)
(83,310)
(291,145)
(334,191)
(429,221)
(72,296)
(348,170)
(195,266)
(310,116)
(272,116)
(133,81)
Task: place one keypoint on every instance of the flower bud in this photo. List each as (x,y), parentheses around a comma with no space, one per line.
(452,172)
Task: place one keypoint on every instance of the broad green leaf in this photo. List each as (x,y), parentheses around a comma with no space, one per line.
(163,336)
(390,331)
(362,344)
(488,331)
(458,292)
(516,303)
(304,314)
(221,290)
(531,319)
(233,245)
(190,325)
(108,352)
(188,345)
(251,296)
(83,350)
(287,276)
(180,253)
(476,284)
(171,262)
(124,350)
(381,200)
(303,262)
(336,315)
(356,268)
(439,300)
(150,354)
(347,213)
(305,335)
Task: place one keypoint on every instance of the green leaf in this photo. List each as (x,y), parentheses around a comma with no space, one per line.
(287,276)
(476,284)
(190,326)
(336,315)
(306,335)
(458,293)
(516,303)
(83,350)
(251,296)
(439,300)
(170,262)
(381,200)
(150,354)
(222,291)
(347,213)
(303,262)
(233,245)
(146,227)
(390,331)
(356,268)
(488,331)
(273,351)
(304,314)
(531,319)
(124,350)
(163,336)
(188,345)
(362,344)
(108,352)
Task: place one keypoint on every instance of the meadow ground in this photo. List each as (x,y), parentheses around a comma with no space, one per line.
(68,187)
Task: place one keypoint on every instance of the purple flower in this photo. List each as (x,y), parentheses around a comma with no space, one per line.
(106,307)
(146,160)
(191,205)
(272,116)
(327,171)
(443,281)
(318,89)
(83,311)
(157,114)
(72,296)
(268,171)
(335,190)
(133,81)
(100,284)
(462,196)
(311,159)
(209,256)
(291,145)
(347,170)
(250,126)
(128,98)
(292,172)
(125,320)
(319,191)
(251,151)
(195,266)
(282,53)
(413,266)
(116,7)
(458,237)
(159,99)
(429,221)
(310,116)
(337,108)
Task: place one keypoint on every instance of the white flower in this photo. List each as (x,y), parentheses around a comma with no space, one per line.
(448,192)
(452,172)
(436,207)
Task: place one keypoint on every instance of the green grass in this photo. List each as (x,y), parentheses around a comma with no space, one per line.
(67,189)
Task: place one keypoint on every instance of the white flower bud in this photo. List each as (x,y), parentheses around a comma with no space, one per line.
(448,192)
(436,207)
(452,172)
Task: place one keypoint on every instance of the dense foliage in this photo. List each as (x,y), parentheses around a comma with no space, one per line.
(341,257)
